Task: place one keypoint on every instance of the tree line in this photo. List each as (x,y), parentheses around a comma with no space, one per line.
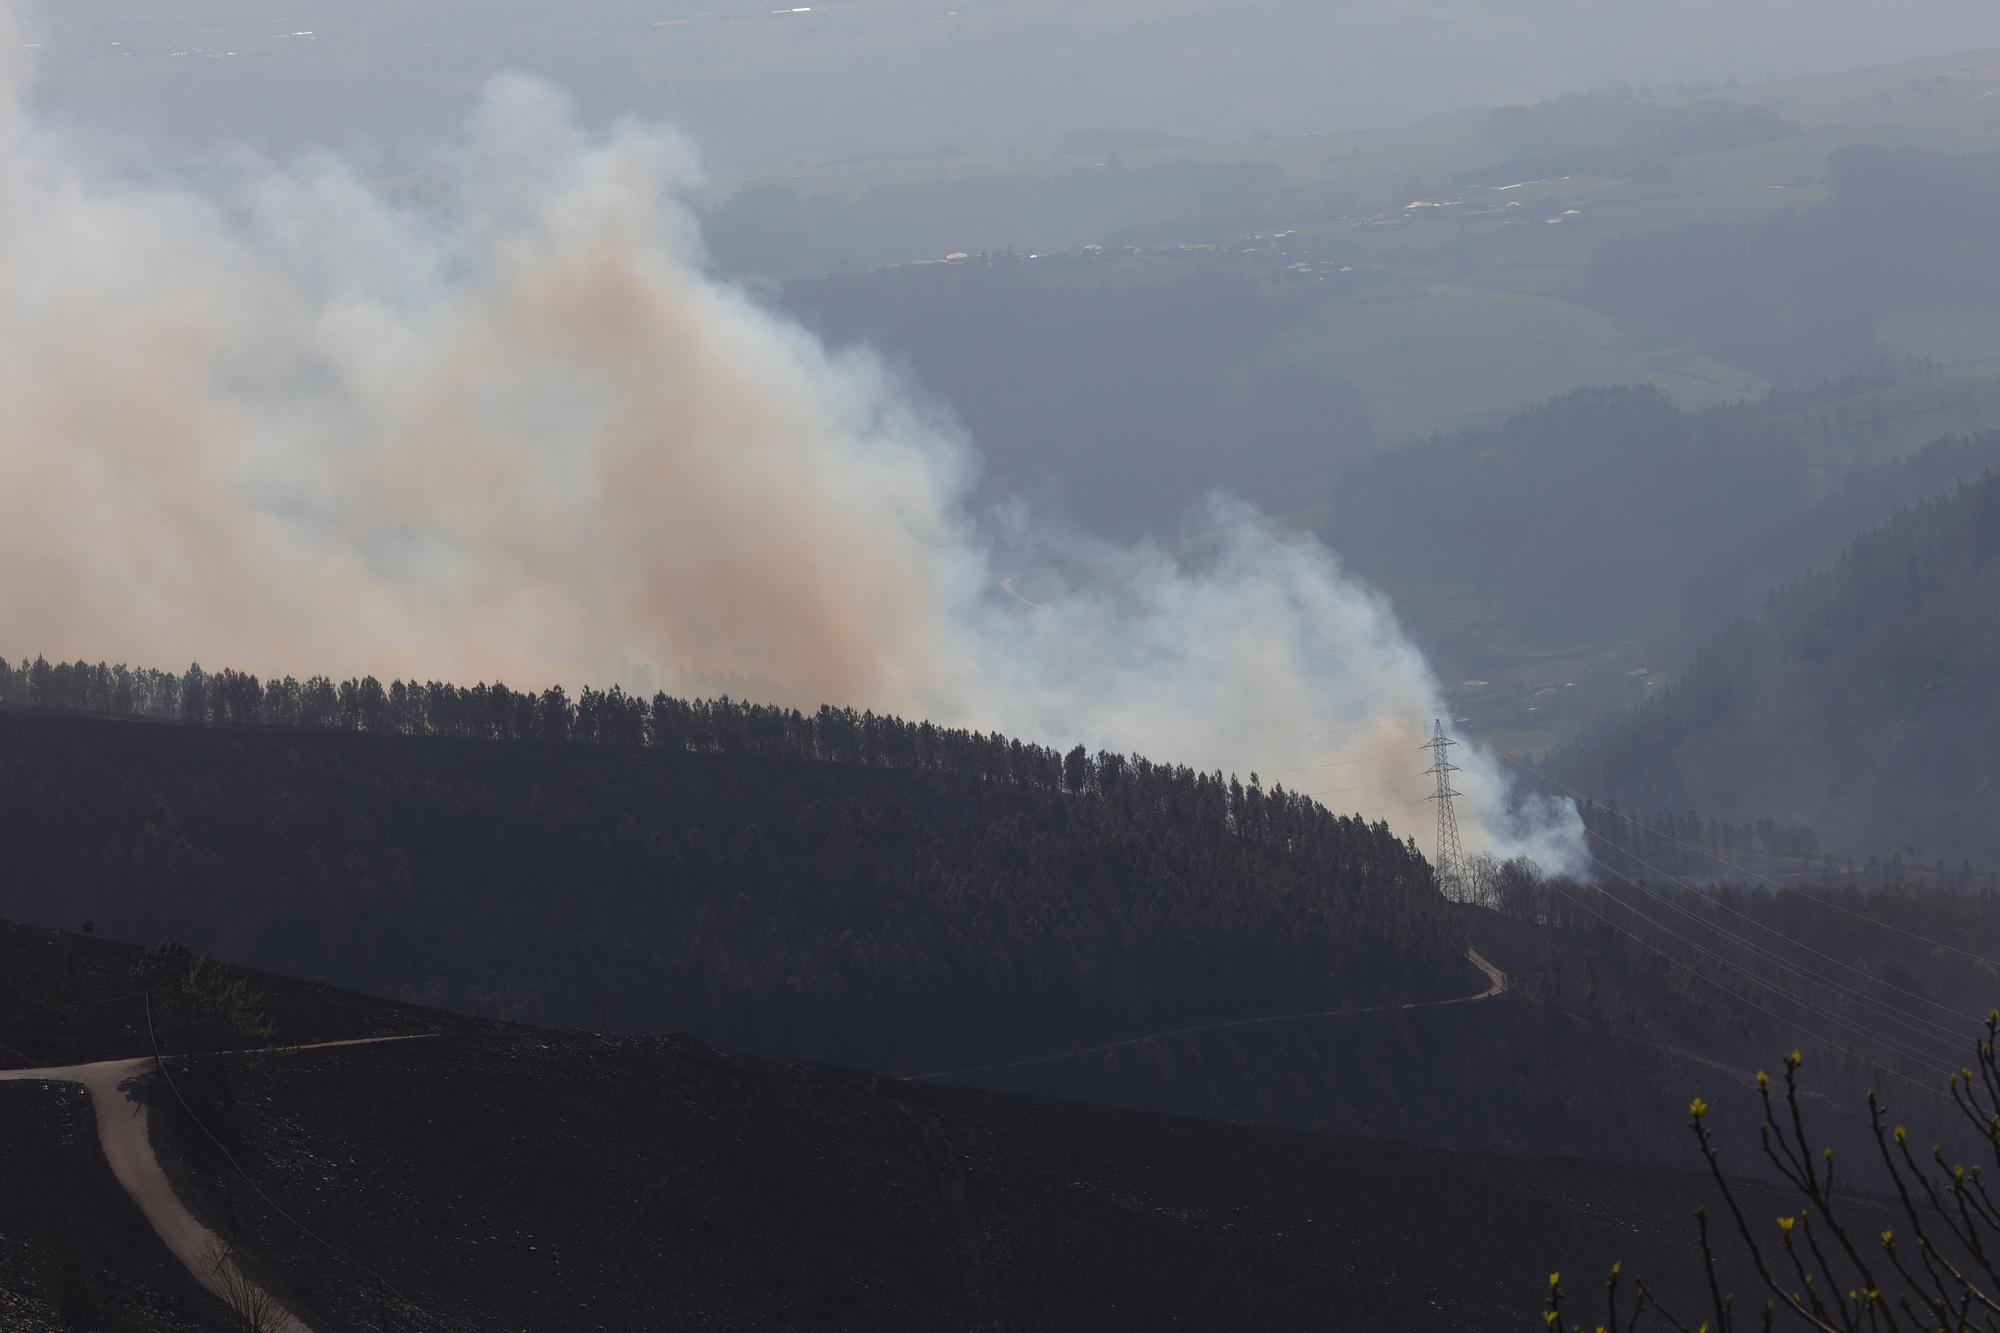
(1680,843)
(610,717)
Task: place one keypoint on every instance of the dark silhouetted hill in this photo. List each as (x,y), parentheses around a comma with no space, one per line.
(847,889)
(539,1180)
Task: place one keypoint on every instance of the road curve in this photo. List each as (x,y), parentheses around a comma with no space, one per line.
(1496,982)
(123,1131)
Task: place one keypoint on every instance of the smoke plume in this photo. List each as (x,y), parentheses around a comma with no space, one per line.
(508,426)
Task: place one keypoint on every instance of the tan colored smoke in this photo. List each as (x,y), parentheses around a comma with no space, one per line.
(514,430)
(304,429)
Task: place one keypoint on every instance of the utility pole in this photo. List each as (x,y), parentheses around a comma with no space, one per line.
(1450,863)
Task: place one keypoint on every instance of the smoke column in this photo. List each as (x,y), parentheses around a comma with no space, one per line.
(515,430)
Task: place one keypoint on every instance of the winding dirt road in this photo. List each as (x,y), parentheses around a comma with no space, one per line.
(118,1093)
(1496,983)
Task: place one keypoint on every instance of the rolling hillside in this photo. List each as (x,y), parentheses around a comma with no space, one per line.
(840,887)
(541,1180)
(846,890)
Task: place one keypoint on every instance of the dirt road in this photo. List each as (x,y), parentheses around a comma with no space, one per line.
(1495,978)
(119,1091)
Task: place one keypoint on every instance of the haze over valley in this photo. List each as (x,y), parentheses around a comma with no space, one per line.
(1036,666)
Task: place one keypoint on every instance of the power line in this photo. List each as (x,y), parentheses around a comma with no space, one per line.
(1365,786)
(1873,1006)
(1967,953)
(1752,874)
(1376,725)
(1400,805)
(1810,1005)
(1738,996)
(1375,810)
(1407,805)
(1714,901)
(1364,759)
(1925,1028)
(1450,856)
(1340,731)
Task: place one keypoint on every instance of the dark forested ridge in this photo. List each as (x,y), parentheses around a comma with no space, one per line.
(850,888)
(1735,580)
(1860,701)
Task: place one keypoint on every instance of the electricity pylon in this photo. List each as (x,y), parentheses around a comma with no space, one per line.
(1450,863)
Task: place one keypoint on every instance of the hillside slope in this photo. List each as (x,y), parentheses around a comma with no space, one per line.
(1860,701)
(654,1183)
(539,1180)
(851,903)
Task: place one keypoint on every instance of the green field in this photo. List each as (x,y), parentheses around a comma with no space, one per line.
(1967,344)
(1435,355)
(1889,423)
(1472,309)
(1468,317)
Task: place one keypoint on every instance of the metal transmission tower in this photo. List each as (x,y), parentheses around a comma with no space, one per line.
(1450,863)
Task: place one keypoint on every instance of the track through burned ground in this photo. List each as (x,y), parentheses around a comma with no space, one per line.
(950,1180)
(1496,984)
(120,1089)
(119,1097)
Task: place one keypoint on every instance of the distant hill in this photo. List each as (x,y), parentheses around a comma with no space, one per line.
(1609,512)
(1860,700)
(1581,518)
(1571,552)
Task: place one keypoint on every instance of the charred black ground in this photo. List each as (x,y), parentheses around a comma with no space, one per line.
(498,1176)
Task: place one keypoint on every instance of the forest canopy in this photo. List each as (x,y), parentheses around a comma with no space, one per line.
(843,886)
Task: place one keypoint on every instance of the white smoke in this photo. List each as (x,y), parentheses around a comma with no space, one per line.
(514,429)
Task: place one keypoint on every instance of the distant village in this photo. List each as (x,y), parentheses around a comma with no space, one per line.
(1301,251)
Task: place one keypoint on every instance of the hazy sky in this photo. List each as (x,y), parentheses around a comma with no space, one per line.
(758,83)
